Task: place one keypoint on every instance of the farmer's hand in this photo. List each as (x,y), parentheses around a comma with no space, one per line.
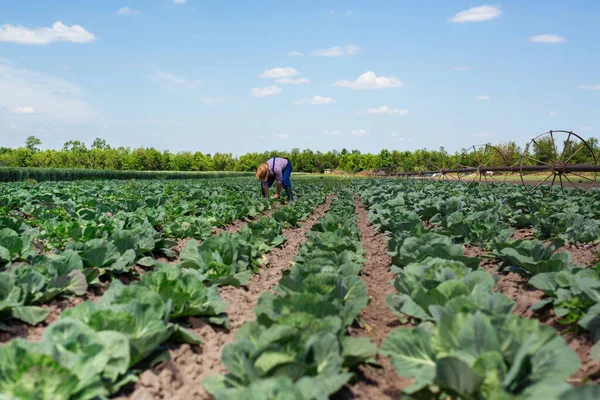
(275,196)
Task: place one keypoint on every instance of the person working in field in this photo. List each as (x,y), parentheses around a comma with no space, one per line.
(276,169)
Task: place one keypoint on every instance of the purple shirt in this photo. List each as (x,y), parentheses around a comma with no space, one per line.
(277,170)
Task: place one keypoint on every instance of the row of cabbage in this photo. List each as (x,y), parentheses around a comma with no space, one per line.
(483,214)
(96,348)
(31,277)
(298,347)
(572,291)
(465,343)
(58,213)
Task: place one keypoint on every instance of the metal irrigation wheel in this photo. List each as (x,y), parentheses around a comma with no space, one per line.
(478,159)
(441,165)
(561,155)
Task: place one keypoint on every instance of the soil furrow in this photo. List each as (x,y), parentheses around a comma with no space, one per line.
(378,320)
(180,378)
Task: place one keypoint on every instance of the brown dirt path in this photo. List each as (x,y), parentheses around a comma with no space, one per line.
(378,319)
(180,378)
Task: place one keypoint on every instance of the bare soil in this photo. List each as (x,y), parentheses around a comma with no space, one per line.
(18,329)
(522,234)
(377,319)
(180,378)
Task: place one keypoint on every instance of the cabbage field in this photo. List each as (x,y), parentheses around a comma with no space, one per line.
(361,289)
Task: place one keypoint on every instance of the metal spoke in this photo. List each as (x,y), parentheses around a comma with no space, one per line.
(565,147)
(489,163)
(574,154)
(466,166)
(554,145)
(552,184)
(477,154)
(536,160)
(561,185)
(536,186)
(584,177)
(572,184)
(541,148)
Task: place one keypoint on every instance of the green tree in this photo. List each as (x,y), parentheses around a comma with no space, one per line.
(385,160)
(543,151)
(75,146)
(32,143)
(100,144)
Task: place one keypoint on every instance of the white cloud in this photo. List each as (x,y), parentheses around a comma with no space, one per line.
(260,137)
(215,100)
(384,110)
(553,114)
(283,136)
(51,98)
(179,1)
(331,12)
(266,91)
(462,68)
(589,87)
(321,100)
(314,100)
(334,132)
(359,132)
(397,138)
(477,14)
(337,51)
(12,126)
(168,79)
(295,54)
(127,11)
(293,81)
(547,39)
(482,98)
(279,73)
(349,13)
(585,128)
(39,36)
(24,110)
(369,80)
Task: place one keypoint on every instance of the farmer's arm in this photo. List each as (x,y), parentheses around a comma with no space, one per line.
(265,189)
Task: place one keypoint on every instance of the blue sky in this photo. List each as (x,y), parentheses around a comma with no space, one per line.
(218,75)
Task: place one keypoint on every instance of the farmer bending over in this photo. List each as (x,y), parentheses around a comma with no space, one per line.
(276,169)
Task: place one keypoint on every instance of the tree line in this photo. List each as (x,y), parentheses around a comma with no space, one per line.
(100,155)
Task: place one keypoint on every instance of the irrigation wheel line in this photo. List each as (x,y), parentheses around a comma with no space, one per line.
(556,164)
